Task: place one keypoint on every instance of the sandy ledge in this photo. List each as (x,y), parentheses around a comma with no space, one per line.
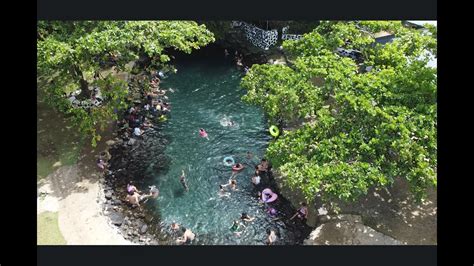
(78,202)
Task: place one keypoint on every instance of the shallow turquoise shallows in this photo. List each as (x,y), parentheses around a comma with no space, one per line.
(207,95)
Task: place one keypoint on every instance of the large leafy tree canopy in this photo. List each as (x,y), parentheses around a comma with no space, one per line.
(355,129)
(70,55)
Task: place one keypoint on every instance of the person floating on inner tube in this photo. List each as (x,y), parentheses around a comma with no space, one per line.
(237,167)
(268,196)
(203,133)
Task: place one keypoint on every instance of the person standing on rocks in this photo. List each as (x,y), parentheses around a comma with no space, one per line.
(182,179)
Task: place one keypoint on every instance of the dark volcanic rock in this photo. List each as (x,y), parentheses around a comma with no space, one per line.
(108,194)
(116,218)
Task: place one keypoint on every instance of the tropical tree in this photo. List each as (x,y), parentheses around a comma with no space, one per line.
(72,55)
(357,129)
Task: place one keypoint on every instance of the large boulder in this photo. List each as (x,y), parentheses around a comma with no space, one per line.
(116,218)
(347,230)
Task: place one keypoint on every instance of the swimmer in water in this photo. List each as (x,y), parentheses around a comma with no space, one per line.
(249,155)
(187,236)
(182,179)
(245,217)
(203,133)
(236,225)
(174,226)
(222,192)
(233,184)
(272,237)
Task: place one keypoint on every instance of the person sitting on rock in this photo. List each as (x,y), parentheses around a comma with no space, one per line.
(133,198)
(137,131)
(302,212)
(187,236)
(146,124)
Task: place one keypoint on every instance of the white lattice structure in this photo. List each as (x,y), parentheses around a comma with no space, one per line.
(263,39)
(286,36)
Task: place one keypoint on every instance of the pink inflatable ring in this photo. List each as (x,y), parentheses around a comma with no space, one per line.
(236,168)
(268,195)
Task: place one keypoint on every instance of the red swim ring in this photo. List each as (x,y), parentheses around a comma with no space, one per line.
(235,168)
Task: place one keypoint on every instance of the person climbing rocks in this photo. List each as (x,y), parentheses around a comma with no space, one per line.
(182,180)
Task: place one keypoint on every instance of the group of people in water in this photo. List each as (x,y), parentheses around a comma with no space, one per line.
(137,121)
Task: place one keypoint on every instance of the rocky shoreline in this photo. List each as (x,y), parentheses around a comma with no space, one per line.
(134,224)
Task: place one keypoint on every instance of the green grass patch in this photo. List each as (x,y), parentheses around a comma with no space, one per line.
(44,166)
(47,229)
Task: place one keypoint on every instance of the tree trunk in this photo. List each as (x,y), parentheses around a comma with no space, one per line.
(85,93)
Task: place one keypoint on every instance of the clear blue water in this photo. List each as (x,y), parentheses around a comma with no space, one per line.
(206,91)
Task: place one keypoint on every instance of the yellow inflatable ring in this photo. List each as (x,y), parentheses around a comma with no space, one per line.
(274,131)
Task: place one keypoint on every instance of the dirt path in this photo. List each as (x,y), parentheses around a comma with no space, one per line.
(78,202)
